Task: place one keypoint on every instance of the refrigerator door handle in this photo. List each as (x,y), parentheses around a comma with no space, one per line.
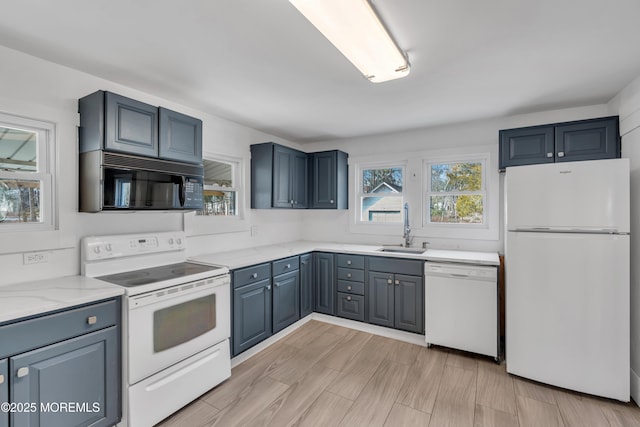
(569,230)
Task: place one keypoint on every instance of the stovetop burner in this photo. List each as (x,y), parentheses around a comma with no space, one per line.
(157,274)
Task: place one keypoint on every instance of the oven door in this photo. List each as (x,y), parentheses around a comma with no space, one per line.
(167,326)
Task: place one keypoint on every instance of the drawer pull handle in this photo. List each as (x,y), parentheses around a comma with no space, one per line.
(397,282)
(288,266)
(349,275)
(268,287)
(277,284)
(348,298)
(549,155)
(348,288)
(389,281)
(1,379)
(254,276)
(92,320)
(23,372)
(560,153)
(348,262)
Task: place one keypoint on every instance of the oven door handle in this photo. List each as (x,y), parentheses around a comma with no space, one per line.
(182,194)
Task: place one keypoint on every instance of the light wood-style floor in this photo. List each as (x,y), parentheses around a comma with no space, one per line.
(326,375)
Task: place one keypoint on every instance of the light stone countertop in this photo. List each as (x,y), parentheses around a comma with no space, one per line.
(32,298)
(251,256)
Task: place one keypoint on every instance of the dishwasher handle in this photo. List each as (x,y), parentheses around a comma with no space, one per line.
(461,271)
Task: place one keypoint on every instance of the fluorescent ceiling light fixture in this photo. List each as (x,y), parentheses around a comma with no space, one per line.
(353,27)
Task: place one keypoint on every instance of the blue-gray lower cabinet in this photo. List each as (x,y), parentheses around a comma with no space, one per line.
(82,371)
(286,300)
(396,301)
(4,391)
(325,282)
(381,305)
(251,315)
(306,285)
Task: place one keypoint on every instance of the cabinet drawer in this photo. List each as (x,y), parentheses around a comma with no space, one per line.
(350,274)
(255,273)
(351,261)
(286,265)
(351,287)
(40,331)
(350,306)
(396,265)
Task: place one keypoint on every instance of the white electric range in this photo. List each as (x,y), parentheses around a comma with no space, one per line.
(175,321)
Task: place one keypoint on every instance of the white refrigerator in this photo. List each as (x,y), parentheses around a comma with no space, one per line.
(567,275)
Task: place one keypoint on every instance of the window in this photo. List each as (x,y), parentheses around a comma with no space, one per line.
(26,199)
(455,193)
(381,194)
(220,188)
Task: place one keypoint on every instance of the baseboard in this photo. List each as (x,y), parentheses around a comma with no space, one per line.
(635,387)
(409,337)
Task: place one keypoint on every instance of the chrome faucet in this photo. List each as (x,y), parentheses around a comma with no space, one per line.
(408,239)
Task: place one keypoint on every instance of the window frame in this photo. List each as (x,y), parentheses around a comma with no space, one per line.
(198,225)
(235,179)
(360,195)
(428,191)
(45,173)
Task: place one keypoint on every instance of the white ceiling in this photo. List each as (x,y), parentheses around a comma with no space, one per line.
(260,63)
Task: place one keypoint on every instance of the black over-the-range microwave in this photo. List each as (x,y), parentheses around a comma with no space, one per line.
(115,182)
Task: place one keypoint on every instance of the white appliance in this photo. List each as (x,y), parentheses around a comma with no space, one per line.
(461,307)
(567,275)
(175,321)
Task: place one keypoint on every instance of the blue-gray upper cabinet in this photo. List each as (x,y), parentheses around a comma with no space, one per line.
(306,285)
(330,189)
(395,291)
(180,137)
(4,391)
(115,123)
(83,370)
(591,139)
(279,177)
(325,282)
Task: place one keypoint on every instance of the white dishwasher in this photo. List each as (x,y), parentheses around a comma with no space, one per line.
(461,307)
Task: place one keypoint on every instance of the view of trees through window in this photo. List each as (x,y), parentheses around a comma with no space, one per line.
(381,195)
(456,193)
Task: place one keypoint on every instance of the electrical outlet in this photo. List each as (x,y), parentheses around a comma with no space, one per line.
(35,258)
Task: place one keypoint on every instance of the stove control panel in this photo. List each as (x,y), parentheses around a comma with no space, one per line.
(97,248)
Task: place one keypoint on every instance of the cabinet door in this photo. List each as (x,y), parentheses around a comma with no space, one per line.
(4,391)
(526,146)
(380,293)
(251,315)
(325,283)
(130,126)
(350,306)
(306,285)
(300,180)
(180,137)
(324,180)
(409,303)
(588,140)
(83,370)
(286,300)
(283,161)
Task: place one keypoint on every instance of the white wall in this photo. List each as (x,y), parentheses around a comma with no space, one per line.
(406,146)
(627,105)
(34,88)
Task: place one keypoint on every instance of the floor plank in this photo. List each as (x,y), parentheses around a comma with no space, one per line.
(370,356)
(421,386)
(375,402)
(349,386)
(533,390)
(347,348)
(576,411)
(404,416)
(489,417)
(455,403)
(327,411)
(196,414)
(403,352)
(495,387)
(534,413)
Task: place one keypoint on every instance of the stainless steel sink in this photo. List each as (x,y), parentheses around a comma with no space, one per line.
(400,249)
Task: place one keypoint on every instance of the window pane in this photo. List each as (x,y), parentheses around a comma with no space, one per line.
(19,201)
(218,173)
(18,150)
(219,203)
(388,180)
(456,177)
(465,209)
(381,209)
